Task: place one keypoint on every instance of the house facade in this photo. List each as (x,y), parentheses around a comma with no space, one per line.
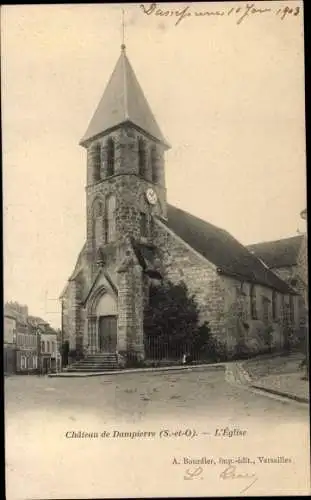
(288,259)
(26,349)
(283,258)
(31,345)
(50,359)
(303,260)
(135,238)
(9,344)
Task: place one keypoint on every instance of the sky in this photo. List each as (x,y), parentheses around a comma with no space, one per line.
(228,96)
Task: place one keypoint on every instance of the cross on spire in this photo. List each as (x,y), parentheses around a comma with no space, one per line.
(123,31)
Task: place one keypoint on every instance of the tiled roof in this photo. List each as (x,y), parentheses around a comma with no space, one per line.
(222,249)
(279,253)
(123,101)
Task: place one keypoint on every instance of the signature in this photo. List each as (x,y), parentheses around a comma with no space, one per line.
(239,12)
(228,473)
(195,474)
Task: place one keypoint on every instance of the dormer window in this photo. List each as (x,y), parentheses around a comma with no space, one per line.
(110,157)
(141,157)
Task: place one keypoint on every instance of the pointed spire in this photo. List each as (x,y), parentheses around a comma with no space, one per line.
(123,101)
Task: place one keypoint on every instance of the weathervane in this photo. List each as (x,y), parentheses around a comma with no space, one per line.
(123,31)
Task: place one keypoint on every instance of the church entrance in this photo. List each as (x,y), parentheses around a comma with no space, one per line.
(107,333)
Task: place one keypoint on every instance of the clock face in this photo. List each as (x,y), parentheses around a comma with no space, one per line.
(151,196)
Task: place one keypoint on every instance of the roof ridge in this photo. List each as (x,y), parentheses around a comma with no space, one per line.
(126,110)
(267,242)
(200,219)
(222,249)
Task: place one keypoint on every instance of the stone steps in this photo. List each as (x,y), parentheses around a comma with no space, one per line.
(95,363)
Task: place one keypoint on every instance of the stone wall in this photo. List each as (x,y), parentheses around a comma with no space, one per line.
(130,304)
(225,302)
(297,278)
(263,330)
(302,268)
(126,158)
(130,202)
(181,263)
(70,314)
(125,184)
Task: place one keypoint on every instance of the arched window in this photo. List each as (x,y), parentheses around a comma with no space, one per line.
(97,223)
(96,160)
(151,226)
(253,302)
(153,161)
(274,305)
(97,208)
(141,157)
(143,225)
(110,225)
(110,157)
(291,309)
(23,363)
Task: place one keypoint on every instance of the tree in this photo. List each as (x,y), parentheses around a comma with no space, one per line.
(171,323)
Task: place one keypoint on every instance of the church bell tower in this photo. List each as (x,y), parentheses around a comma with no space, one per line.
(125,164)
(125,192)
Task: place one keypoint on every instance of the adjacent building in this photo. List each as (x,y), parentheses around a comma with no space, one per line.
(50,359)
(283,258)
(288,259)
(135,238)
(26,349)
(30,343)
(303,260)
(23,338)
(9,343)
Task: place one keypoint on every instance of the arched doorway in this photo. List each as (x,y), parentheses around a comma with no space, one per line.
(102,320)
(107,333)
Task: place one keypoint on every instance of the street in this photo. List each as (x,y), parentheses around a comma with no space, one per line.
(139,396)
(41,411)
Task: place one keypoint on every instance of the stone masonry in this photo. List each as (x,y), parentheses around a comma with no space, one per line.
(129,242)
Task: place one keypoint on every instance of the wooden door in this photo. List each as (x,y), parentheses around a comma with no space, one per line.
(107,333)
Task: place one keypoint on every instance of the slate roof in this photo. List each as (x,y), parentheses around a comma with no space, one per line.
(217,246)
(222,249)
(279,253)
(123,101)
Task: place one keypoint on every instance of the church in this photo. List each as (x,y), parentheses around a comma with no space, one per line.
(135,238)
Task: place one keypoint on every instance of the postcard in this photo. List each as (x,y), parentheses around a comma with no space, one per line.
(155,250)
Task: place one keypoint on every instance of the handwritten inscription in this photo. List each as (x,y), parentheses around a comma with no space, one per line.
(238,470)
(194,473)
(230,473)
(241,475)
(239,13)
